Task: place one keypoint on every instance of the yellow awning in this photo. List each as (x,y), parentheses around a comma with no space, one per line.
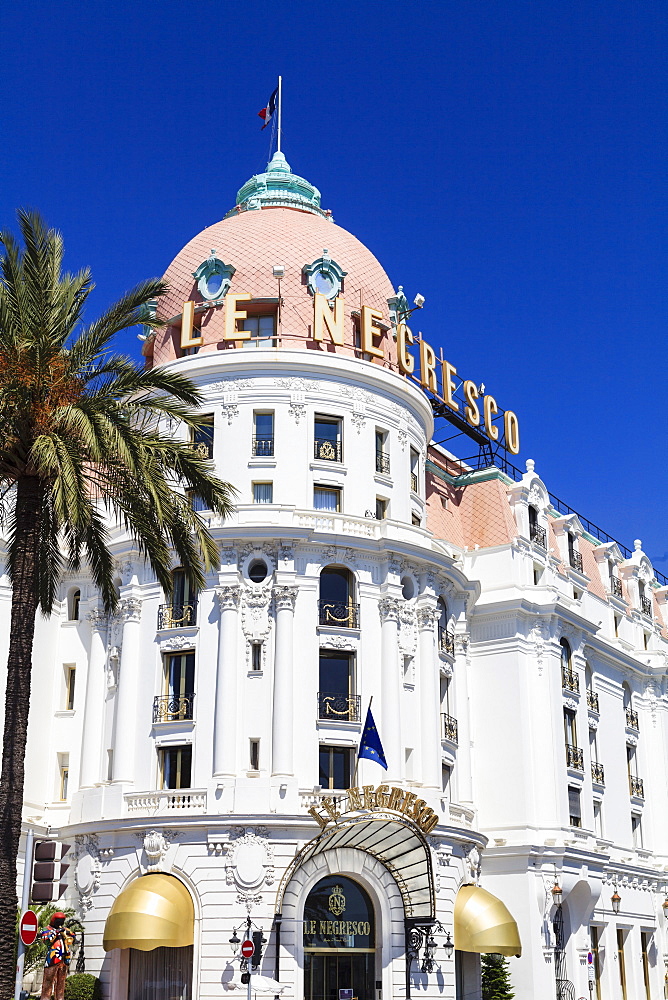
(155,911)
(484,924)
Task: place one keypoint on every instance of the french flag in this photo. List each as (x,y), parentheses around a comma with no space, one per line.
(267,113)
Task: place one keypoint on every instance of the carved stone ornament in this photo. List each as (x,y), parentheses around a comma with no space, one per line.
(123,570)
(98,619)
(285,553)
(228,598)
(462,642)
(129,610)
(113,664)
(295,384)
(87,873)
(440,854)
(297,407)
(176,643)
(473,859)
(285,598)
(403,438)
(249,864)
(539,635)
(407,639)
(358,418)
(156,846)
(256,622)
(328,641)
(389,609)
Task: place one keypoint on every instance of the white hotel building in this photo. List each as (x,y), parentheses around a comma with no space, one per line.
(516,658)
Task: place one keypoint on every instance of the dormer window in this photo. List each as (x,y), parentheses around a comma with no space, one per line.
(537,532)
(324,277)
(574,557)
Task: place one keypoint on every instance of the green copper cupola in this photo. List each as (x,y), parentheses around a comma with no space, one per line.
(278,187)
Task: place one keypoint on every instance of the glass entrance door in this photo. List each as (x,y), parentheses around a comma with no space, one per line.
(339,941)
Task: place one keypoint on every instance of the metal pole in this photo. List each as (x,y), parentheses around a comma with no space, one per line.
(25,900)
(248,921)
(280,95)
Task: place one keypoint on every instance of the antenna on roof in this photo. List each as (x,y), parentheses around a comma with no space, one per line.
(280,102)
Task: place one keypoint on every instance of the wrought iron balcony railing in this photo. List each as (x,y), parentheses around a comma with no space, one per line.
(327,450)
(263,446)
(646,606)
(636,787)
(414,482)
(569,679)
(538,534)
(204,449)
(173,708)
(574,757)
(382,462)
(597,773)
(446,641)
(340,613)
(632,719)
(616,587)
(339,707)
(592,700)
(177,615)
(575,559)
(450,729)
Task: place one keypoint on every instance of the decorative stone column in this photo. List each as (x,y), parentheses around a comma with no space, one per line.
(125,728)
(226,708)
(389,725)
(93,721)
(283,708)
(464,781)
(430,722)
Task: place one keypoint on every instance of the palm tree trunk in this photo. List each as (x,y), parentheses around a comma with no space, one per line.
(29,493)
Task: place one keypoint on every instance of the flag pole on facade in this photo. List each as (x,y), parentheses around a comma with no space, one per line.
(370,746)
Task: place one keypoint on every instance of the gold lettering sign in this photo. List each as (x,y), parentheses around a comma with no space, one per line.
(367,799)
(329,324)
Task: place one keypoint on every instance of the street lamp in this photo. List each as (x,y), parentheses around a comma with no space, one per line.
(615,900)
(557,894)
(234,941)
(448,946)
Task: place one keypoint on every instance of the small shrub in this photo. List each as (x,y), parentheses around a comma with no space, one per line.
(83,986)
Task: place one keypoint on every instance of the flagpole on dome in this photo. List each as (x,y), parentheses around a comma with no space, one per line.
(280,109)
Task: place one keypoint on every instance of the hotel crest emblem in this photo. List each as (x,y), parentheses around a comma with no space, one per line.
(337,901)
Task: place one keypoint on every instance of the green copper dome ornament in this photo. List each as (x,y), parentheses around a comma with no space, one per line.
(278,188)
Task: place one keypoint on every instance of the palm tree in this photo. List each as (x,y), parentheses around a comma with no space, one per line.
(81,448)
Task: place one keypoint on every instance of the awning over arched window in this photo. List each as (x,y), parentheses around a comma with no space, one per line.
(484,924)
(155,911)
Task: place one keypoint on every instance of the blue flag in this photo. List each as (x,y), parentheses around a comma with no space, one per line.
(370,745)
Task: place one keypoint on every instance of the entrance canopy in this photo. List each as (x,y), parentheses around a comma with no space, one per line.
(397,844)
(155,911)
(484,924)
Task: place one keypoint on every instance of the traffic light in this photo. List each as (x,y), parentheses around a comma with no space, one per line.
(48,871)
(258,941)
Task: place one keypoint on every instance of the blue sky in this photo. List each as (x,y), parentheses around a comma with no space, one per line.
(507,159)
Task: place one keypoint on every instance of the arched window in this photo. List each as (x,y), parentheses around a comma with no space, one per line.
(337,605)
(335,906)
(592,697)
(73,603)
(565,654)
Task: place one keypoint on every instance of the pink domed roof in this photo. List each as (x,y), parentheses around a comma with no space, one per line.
(253,242)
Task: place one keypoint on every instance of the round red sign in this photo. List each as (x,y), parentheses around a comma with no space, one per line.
(247,949)
(28,927)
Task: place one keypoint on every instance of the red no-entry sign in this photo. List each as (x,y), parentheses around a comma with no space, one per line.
(28,927)
(247,949)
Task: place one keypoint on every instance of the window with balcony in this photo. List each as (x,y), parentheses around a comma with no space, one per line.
(382,454)
(336,604)
(449,728)
(631,716)
(176,702)
(334,767)
(182,611)
(263,435)
(201,437)
(615,582)
(574,557)
(537,532)
(337,701)
(175,766)
(645,599)
(597,773)
(574,806)
(592,697)
(569,679)
(328,439)
(263,492)
(446,637)
(415,469)
(327,498)
(262,331)
(574,757)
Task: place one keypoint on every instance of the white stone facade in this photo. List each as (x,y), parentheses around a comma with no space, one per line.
(499,781)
